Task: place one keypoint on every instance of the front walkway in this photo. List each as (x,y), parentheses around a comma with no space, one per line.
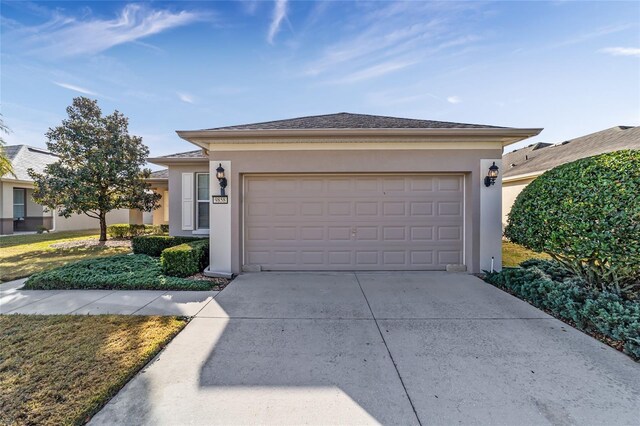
(370,348)
(95,302)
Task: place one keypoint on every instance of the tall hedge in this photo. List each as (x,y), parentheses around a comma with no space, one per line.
(586,215)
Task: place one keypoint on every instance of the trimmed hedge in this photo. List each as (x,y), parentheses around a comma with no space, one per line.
(185,259)
(548,285)
(125,272)
(130,230)
(586,215)
(153,245)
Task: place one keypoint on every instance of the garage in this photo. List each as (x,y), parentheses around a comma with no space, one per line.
(353,222)
(348,192)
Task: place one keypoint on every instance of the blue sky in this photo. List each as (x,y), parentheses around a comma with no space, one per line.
(570,67)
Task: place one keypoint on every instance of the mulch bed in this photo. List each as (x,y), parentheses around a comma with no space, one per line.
(217,284)
(92,243)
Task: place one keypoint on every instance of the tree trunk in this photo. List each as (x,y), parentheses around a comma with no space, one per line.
(103,226)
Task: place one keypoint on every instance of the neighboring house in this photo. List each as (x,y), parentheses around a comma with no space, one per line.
(159,181)
(342,192)
(522,166)
(18,211)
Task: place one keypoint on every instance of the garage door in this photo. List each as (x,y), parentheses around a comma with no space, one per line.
(353,222)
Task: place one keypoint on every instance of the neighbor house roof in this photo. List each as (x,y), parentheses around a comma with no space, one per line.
(25,157)
(538,158)
(196,156)
(160,174)
(345,120)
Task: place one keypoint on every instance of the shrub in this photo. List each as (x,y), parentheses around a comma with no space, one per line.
(119,230)
(126,272)
(586,215)
(164,228)
(40,229)
(153,245)
(547,285)
(185,259)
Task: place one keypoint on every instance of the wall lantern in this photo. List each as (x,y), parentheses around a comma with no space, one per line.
(222,179)
(491,177)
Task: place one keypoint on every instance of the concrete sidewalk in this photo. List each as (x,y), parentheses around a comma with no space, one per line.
(96,302)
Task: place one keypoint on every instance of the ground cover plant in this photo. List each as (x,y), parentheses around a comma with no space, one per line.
(586,215)
(61,369)
(23,255)
(550,286)
(125,272)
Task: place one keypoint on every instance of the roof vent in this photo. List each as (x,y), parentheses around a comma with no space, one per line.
(526,157)
(513,165)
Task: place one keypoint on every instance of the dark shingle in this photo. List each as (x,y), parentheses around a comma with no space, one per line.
(344,120)
(538,158)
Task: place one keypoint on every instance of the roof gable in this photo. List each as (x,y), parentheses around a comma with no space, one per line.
(25,157)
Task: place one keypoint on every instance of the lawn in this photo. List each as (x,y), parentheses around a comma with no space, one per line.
(23,255)
(513,254)
(62,369)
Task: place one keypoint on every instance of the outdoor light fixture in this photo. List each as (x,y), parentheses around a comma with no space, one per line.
(491,177)
(222,179)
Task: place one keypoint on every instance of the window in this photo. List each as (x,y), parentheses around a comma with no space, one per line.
(202,200)
(19,203)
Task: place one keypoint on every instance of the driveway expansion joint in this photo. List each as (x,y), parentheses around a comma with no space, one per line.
(415,412)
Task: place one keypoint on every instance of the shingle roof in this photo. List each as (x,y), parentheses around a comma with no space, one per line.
(189,154)
(24,157)
(542,157)
(345,120)
(160,174)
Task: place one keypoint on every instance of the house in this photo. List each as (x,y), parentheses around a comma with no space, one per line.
(522,166)
(18,211)
(342,192)
(159,181)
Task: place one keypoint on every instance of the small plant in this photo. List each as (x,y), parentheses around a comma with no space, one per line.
(40,229)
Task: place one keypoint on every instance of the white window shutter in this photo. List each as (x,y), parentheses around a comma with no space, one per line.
(187,201)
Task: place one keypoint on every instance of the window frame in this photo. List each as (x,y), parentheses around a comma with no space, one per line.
(24,204)
(197,200)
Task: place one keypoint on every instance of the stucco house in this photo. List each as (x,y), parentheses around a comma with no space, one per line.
(18,211)
(342,192)
(522,166)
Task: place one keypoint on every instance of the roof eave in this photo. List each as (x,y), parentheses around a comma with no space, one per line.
(507,136)
(523,176)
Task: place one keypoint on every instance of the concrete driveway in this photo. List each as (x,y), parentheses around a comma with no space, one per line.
(366,348)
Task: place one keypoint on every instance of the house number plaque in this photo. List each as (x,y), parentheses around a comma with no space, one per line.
(220,199)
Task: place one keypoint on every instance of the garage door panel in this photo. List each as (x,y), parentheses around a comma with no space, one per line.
(353,222)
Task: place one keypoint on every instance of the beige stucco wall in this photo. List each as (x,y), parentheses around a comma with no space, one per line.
(160,216)
(175,189)
(81,221)
(510,191)
(361,161)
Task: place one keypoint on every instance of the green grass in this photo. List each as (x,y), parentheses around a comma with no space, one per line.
(124,272)
(513,254)
(61,369)
(23,255)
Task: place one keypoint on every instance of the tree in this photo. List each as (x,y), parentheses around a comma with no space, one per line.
(586,215)
(100,166)
(5,163)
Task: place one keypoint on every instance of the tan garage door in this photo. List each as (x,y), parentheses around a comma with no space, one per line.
(353,222)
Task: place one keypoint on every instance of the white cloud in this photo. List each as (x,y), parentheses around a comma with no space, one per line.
(185,97)
(279,14)
(64,36)
(454,99)
(622,51)
(374,71)
(75,88)
(384,39)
